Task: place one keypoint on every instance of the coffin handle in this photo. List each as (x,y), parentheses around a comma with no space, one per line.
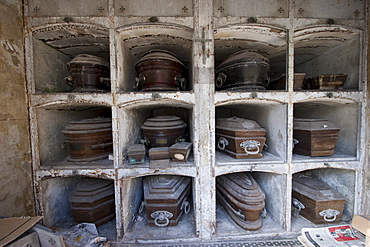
(101,145)
(180,82)
(139,81)
(161,216)
(221,78)
(185,206)
(69,81)
(251,145)
(222,143)
(329,215)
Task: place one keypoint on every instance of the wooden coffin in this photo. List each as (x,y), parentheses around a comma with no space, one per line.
(240,138)
(242,198)
(88,73)
(93,201)
(163,131)
(89,139)
(314,137)
(244,70)
(166,198)
(180,151)
(160,70)
(136,154)
(322,203)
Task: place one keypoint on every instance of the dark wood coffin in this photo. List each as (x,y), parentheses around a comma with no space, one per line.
(160,70)
(244,70)
(314,137)
(163,131)
(166,198)
(240,138)
(242,198)
(88,73)
(93,201)
(89,139)
(180,151)
(322,203)
(136,154)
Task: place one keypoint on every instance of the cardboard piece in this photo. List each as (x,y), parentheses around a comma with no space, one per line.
(11,228)
(362,224)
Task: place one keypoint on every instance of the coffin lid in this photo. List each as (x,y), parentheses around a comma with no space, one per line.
(159,150)
(88,59)
(158,54)
(91,191)
(165,187)
(242,187)
(136,148)
(88,124)
(313,124)
(244,56)
(237,124)
(161,122)
(315,189)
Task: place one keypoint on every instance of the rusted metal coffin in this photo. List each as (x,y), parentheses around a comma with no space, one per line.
(244,70)
(93,201)
(88,73)
(240,138)
(322,204)
(160,70)
(166,198)
(242,198)
(163,131)
(88,139)
(314,137)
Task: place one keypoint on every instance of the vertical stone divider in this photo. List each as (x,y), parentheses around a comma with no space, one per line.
(204,115)
(289,149)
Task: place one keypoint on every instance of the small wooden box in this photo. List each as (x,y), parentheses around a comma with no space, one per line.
(323,204)
(159,157)
(180,151)
(316,137)
(136,154)
(330,81)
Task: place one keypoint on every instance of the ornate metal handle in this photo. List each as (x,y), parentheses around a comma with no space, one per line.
(222,143)
(105,81)
(69,81)
(185,206)
(251,145)
(180,82)
(160,216)
(221,78)
(329,215)
(101,145)
(139,81)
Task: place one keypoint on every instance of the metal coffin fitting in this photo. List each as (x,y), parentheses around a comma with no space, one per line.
(93,201)
(314,137)
(163,131)
(166,198)
(88,73)
(89,139)
(322,204)
(244,70)
(240,138)
(160,70)
(242,198)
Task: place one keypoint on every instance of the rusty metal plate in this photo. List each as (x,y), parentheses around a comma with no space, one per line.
(345,9)
(251,8)
(153,8)
(67,8)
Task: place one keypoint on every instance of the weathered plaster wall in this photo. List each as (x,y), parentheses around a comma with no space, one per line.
(366,187)
(16,197)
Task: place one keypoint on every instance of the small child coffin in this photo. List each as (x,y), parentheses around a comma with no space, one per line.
(166,198)
(93,201)
(314,137)
(240,138)
(322,204)
(242,198)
